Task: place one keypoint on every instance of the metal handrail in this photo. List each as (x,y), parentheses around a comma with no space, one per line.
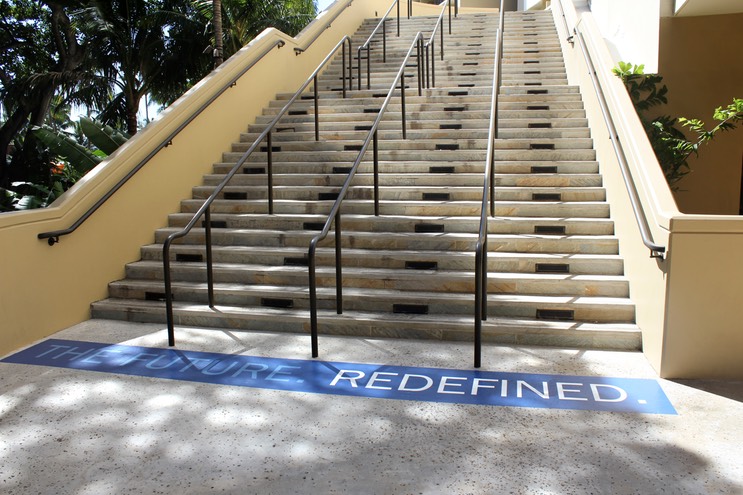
(367,44)
(53,236)
(488,191)
(335,212)
(431,79)
(299,50)
(656,250)
(204,209)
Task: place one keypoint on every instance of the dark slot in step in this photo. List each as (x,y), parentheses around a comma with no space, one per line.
(531,61)
(274,149)
(546,197)
(552,268)
(308,97)
(421,265)
(236,195)
(450,126)
(549,229)
(441,170)
(472,53)
(531,42)
(532,72)
(466,85)
(540,125)
(436,196)
(297,112)
(468,74)
(216,224)
(475,44)
(336,89)
(447,147)
(285,129)
(458,93)
(326,196)
(541,146)
(274,302)
(254,170)
(537,91)
(528,19)
(362,128)
(429,228)
(556,314)
(531,51)
(537,107)
(454,109)
(530,34)
(352,147)
(544,169)
(533,84)
(379,95)
(371,110)
(154,296)
(342,170)
(313,225)
(296,261)
(410,309)
(471,63)
(189,258)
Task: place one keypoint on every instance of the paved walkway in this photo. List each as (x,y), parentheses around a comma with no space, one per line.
(66,431)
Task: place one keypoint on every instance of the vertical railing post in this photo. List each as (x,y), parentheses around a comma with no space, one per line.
(428,70)
(317,111)
(313,297)
(398,18)
(168,293)
(375,152)
(478,307)
(343,70)
(449,17)
(433,64)
(209,263)
(402,104)
(338,265)
(441,29)
(419,59)
(269,172)
(358,65)
(368,67)
(384,41)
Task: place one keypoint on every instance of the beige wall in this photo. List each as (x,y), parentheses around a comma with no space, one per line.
(701,61)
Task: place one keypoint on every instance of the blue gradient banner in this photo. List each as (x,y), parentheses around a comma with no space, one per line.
(486,388)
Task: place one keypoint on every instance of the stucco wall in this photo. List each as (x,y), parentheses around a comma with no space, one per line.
(701,62)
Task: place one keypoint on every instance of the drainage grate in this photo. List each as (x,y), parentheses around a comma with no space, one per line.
(544,169)
(273,149)
(537,107)
(421,265)
(531,51)
(441,170)
(362,128)
(540,125)
(216,224)
(296,261)
(410,309)
(379,95)
(236,195)
(371,110)
(298,112)
(549,229)
(531,61)
(537,91)
(450,126)
(154,296)
(531,42)
(468,74)
(436,196)
(327,196)
(447,147)
(475,44)
(472,53)
(313,225)
(454,109)
(546,197)
(285,129)
(541,146)
(254,170)
(189,258)
(556,314)
(471,63)
(352,147)
(308,97)
(271,302)
(552,268)
(466,85)
(533,84)
(532,72)
(429,228)
(342,170)
(458,93)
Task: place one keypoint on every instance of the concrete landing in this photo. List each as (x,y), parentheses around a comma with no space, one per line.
(76,432)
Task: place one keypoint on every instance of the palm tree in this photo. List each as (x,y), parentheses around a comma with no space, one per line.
(217,21)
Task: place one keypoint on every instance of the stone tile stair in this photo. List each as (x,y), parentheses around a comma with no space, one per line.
(555,276)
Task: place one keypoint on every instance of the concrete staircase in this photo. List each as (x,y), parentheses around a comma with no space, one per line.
(555,276)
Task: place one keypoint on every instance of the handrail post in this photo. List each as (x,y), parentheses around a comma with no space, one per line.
(209,263)
(338,265)
(433,64)
(269,172)
(368,67)
(442,42)
(428,70)
(478,305)
(168,293)
(398,17)
(384,41)
(402,104)
(317,111)
(313,296)
(358,64)
(375,152)
(343,69)
(449,16)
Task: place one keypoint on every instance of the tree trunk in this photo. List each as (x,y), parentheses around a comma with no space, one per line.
(217,22)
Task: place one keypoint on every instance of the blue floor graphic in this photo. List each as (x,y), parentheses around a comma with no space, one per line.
(486,388)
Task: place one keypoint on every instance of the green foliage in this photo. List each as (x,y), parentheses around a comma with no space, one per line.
(670,144)
(104,137)
(67,149)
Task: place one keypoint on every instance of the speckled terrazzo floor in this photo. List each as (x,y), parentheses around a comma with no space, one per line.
(64,431)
